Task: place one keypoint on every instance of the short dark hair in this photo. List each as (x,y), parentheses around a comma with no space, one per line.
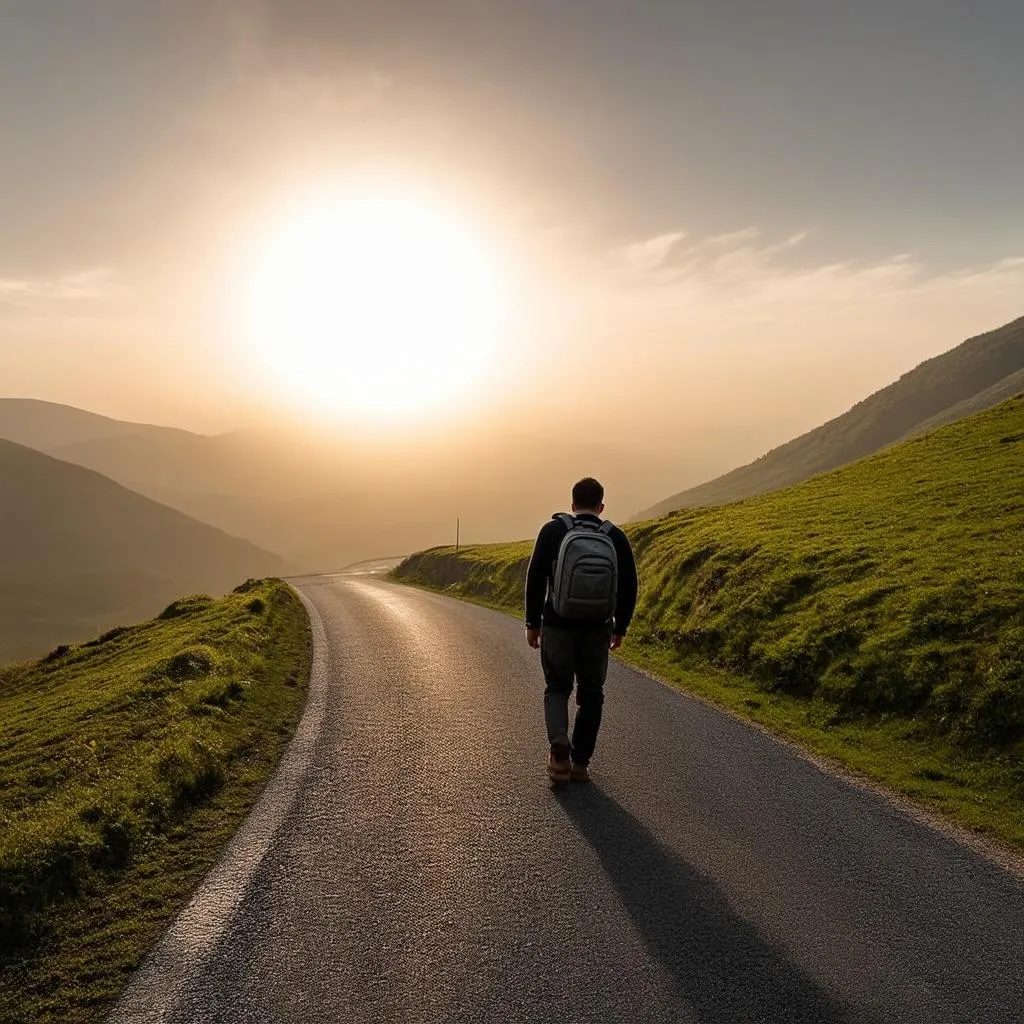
(587,493)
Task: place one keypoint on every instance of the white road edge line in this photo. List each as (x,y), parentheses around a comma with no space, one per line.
(163,980)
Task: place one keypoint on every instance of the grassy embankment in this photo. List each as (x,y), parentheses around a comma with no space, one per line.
(874,614)
(126,764)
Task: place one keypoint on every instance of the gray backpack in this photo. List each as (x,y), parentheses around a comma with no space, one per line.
(586,575)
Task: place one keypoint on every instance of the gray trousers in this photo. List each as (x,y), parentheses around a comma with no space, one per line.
(580,656)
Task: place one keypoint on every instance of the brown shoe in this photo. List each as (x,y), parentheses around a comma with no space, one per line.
(559,768)
(579,773)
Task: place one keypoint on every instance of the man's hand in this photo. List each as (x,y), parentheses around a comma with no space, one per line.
(616,642)
(533,637)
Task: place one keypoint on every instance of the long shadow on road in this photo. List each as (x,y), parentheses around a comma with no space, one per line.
(722,967)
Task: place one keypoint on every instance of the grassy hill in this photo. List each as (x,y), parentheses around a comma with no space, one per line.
(79,553)
(127,764)
(973,376)
(874,612)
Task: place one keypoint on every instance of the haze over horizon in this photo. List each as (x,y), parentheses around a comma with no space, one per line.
(721,225)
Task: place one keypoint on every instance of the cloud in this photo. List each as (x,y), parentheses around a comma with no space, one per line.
(648,256)
(729,278)
(744,336)
(59,293)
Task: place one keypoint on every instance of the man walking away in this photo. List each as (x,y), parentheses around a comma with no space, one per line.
(580,595)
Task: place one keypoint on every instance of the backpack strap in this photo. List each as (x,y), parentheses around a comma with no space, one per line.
(606,527)
(566,520)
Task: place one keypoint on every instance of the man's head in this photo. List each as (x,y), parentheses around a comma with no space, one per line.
(588,496)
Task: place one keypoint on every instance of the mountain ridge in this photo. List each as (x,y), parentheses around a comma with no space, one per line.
(41,424)
(973,376)
(80,553)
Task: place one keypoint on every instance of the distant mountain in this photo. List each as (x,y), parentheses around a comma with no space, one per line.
(79,554)
(323,502)
(238,463)
(974,376)
(45,425)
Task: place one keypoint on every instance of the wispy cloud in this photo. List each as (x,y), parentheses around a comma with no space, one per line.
(732,277)
(651,255)
(59,293)
(750,335)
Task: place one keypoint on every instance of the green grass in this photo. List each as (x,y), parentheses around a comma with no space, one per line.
(874,614)
(126,764)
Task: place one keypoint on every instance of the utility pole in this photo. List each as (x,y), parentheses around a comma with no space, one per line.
(458,530)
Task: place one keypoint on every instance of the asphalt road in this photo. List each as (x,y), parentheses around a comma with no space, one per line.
(410,863)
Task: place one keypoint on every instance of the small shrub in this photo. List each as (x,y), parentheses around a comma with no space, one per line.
(190,772)
(248,586)
(186,606)
(120,834)
(111,634)
(191,663)
(57,654)
(257,606)
(222,694)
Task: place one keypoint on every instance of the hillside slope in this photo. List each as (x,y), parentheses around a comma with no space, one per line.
(891,587)
(127,764)
(79,553)
(1009,387)
(973,376)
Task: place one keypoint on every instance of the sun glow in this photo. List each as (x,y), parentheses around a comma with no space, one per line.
(375,306)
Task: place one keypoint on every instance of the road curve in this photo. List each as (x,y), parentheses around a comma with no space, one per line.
(409,863)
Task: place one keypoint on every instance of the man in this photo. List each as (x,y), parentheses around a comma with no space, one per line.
(575,647)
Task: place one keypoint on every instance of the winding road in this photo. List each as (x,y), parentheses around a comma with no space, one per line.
(410,863)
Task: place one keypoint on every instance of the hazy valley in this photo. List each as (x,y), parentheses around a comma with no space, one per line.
(85,553)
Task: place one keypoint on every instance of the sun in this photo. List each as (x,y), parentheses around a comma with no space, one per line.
(375,305)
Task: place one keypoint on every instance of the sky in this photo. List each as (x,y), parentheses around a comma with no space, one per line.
(719,223)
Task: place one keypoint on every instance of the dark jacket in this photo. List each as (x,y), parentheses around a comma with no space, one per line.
(539,610)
